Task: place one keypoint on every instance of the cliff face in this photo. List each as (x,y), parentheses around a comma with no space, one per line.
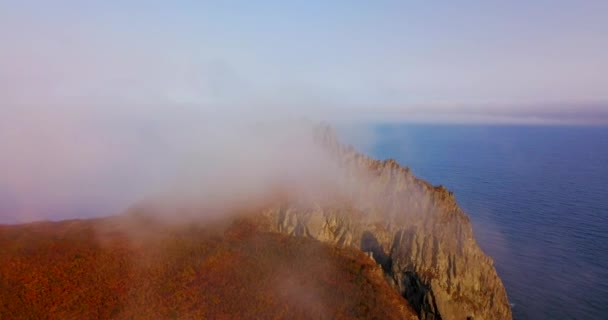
(415,231)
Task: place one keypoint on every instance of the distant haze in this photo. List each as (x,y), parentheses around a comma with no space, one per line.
(101,103)
(547,57)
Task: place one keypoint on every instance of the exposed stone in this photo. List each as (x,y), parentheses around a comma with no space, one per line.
(415,231)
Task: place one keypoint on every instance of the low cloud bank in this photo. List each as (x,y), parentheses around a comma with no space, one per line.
(76,162)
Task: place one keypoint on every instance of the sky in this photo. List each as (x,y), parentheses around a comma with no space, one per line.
(103,103)
(467,60)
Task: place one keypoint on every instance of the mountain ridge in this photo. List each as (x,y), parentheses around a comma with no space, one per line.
(414,234)
(417,232)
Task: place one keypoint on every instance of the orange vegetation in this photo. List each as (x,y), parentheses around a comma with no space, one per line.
(102,269)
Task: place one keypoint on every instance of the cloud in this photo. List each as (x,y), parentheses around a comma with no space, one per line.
(73,160)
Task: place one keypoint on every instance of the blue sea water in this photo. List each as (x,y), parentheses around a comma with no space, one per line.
(538,200)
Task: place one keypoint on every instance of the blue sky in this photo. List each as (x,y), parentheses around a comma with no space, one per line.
(483,59)
(103,101)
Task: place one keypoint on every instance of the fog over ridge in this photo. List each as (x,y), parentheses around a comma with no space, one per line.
(60,161)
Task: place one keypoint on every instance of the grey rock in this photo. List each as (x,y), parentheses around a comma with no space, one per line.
(417,232)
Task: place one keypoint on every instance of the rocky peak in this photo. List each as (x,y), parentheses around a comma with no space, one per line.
(414,230)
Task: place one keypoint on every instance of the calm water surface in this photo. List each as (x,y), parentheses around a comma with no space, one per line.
(538,199)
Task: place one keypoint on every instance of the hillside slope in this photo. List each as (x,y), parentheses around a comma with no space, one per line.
(367,239)
(109,269)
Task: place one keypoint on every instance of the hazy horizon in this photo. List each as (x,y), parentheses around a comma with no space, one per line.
(541,62)
(101,100)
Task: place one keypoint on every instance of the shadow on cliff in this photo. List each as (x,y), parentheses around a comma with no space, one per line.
(409,283)
(369,243)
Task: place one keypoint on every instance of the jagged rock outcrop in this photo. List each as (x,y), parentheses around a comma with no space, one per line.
(415,231)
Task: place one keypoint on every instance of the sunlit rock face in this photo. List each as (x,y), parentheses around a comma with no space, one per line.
(415,231)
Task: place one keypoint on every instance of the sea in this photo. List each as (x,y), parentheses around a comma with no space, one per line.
(538,200)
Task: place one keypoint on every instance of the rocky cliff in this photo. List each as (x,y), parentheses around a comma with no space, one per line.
(415,231)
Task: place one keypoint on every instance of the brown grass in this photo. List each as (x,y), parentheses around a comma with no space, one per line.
(100,269)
